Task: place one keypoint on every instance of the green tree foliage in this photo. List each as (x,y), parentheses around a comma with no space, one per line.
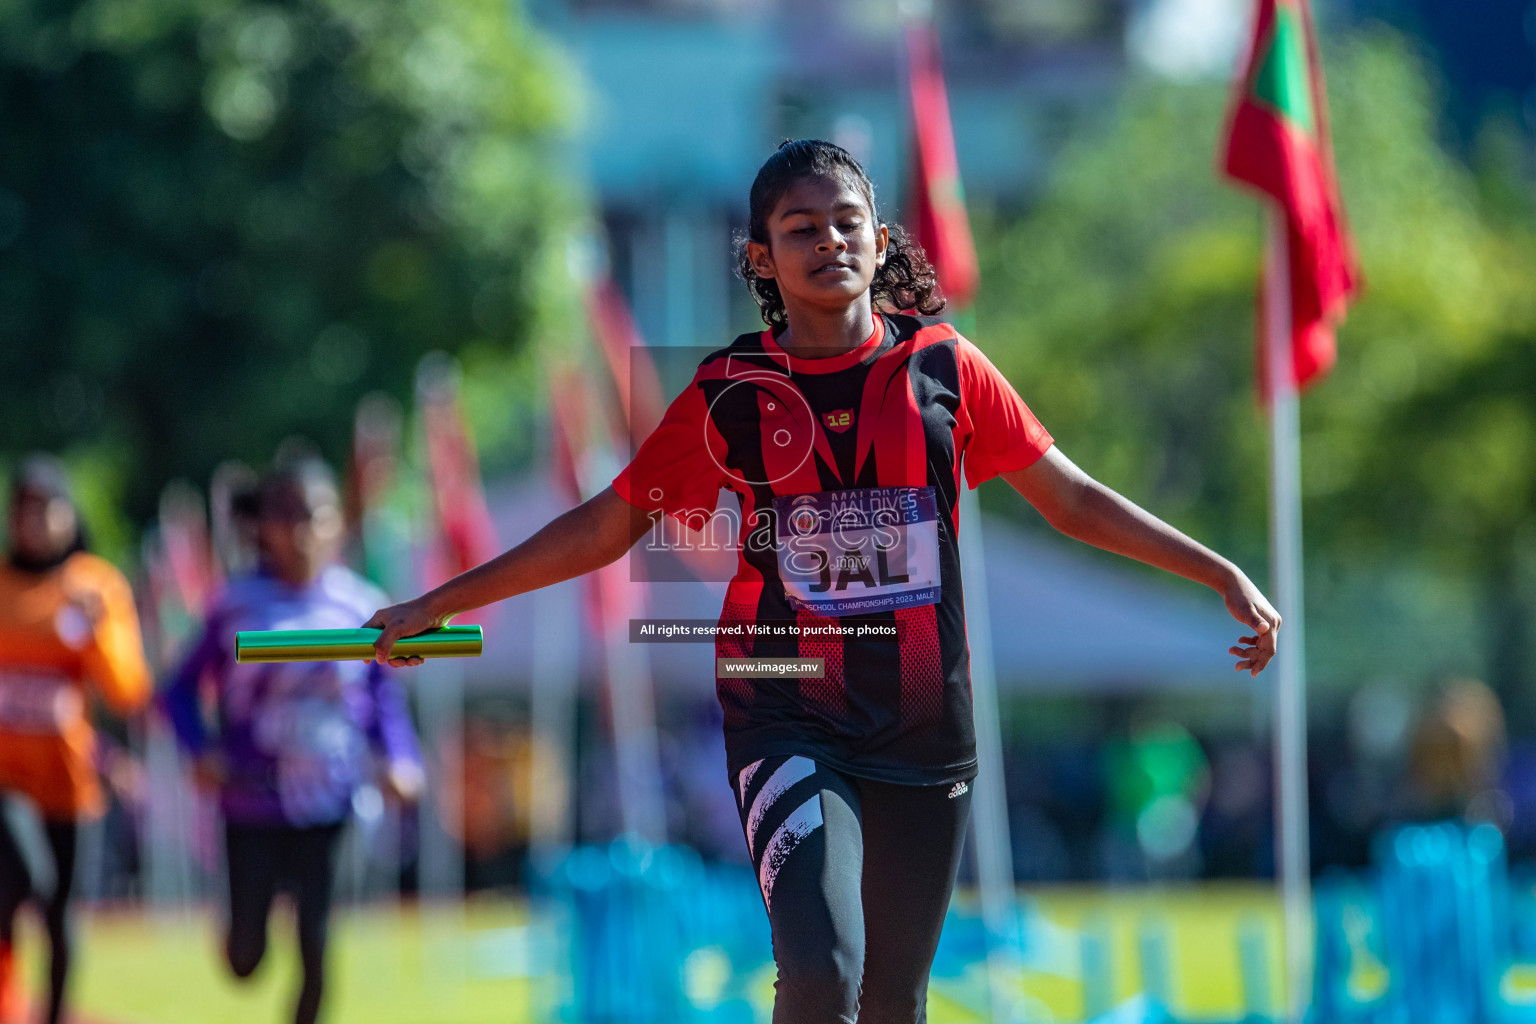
(1123,307)
(223,221)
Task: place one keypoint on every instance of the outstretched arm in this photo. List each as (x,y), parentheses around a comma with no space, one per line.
(1081,507)
(587,537)
(181,699)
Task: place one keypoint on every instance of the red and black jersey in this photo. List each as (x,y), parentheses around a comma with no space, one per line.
(873,440)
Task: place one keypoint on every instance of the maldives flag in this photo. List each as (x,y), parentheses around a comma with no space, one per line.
(1277,141)
(935,204)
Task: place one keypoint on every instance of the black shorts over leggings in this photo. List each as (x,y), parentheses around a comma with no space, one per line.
(856,876)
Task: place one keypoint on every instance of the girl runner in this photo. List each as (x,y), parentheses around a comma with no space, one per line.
(66,619)
(843,430)
(293,740)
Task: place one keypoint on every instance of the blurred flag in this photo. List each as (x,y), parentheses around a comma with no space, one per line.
(582,458)
(189,565)
(935,204)
(181,572)
(632,373)
(466,534)
(1278,142)
(379,531)
(627,359)
(568,436)
(585,437)
(376,428)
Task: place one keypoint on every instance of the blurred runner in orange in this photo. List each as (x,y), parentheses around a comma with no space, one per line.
(67,621)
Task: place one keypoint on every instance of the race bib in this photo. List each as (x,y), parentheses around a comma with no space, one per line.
(870,549)
(39,703)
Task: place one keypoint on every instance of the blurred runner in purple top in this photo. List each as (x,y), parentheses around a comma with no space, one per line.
(293,741)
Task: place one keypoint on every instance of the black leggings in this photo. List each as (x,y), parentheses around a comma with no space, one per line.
(261,858)
(17,885)
(856,877)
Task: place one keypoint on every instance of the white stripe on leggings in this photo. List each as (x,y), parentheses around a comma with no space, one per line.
(745,778)
(789,773)
(802,822)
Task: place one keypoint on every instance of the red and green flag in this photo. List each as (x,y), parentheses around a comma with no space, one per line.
(1278,142)
(935,205)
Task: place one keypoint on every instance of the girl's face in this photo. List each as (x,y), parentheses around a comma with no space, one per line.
(42,526)
(823,244)
(299,532)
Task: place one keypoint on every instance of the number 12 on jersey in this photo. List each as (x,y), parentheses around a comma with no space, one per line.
(853,552)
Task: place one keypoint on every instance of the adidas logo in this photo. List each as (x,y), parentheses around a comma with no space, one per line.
(958,789)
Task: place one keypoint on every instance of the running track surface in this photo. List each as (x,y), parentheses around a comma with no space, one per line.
(410,966)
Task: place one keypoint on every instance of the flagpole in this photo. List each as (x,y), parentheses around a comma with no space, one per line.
(989,810)
(989,818)
(632,709)
(1290,739)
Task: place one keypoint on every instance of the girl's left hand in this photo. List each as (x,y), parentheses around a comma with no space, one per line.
(1250,607)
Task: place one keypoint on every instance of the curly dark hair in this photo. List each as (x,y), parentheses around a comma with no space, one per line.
(905,281)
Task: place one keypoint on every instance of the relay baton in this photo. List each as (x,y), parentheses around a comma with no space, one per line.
(354,644)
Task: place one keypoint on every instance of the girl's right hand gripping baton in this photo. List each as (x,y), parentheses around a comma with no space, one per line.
(354,644)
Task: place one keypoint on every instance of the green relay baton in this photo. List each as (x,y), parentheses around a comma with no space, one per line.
(354,644)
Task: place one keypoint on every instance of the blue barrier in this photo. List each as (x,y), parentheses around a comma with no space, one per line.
(1253,968)
(653,935)
(1431,943)
(1429,937)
